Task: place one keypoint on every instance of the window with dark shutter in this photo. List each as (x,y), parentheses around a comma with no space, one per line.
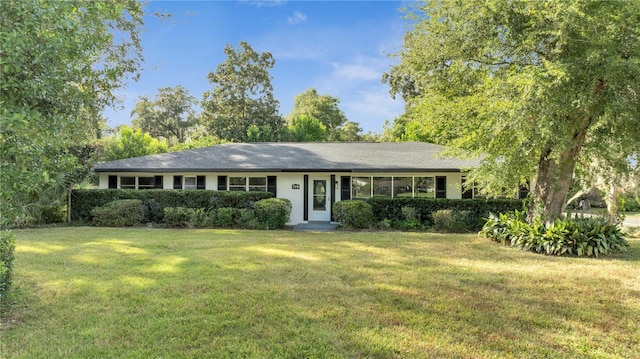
(467,193)
(272,185)
(441,187)
(345,188)
(158,182)
(222,183)
(113,182)
(177,182)
(201,182)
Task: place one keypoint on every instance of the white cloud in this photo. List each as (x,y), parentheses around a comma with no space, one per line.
(297,18)
(265,3)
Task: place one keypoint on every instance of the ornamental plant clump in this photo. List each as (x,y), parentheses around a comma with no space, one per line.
(589,237)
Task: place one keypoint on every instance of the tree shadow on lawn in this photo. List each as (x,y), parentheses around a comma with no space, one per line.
(321,297)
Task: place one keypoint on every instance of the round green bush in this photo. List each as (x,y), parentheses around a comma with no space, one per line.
(353,214)
(120,213)
(273,213)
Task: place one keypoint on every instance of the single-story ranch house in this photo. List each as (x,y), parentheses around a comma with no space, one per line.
(312,176)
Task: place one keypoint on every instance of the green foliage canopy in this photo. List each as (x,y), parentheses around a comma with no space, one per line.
(170,115)
(307,129)
(129,143)
(532,86)
(60,63)
(242,95)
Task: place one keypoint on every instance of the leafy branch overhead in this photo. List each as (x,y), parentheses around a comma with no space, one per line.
(533,86)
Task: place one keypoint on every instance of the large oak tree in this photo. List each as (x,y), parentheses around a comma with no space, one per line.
(533,86)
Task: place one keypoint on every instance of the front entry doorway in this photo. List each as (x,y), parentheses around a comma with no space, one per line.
(320,194)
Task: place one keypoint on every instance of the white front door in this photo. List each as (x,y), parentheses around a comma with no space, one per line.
(319,193)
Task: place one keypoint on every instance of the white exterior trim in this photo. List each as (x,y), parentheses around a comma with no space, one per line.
(290,185)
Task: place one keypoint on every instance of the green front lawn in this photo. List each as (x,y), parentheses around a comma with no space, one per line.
(152,293)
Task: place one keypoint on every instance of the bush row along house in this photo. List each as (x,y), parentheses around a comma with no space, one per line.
(313,176)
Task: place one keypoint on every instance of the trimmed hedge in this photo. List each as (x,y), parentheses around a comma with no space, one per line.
(119,213)
(476,210)
(452,221)
(84,201)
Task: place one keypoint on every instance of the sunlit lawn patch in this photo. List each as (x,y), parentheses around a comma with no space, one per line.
(91,292)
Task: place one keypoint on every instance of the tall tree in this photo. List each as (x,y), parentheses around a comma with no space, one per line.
(170,115)
(324,108)
(307,129)
(531,85)
(128,143)
(242,95)
(60,64)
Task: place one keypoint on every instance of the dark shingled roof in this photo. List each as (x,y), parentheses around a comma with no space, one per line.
(298,157)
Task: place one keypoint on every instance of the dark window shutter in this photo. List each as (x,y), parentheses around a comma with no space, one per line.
(201,182)
(158,182)
(305,188)
(177,182)
(113,182)
(345,188)
(222,183)
(467,193)
(523,191)
(441,187)
(272,185)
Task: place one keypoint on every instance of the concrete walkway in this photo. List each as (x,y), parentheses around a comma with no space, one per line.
(316,226)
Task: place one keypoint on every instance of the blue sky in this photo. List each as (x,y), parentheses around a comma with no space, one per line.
(340,48)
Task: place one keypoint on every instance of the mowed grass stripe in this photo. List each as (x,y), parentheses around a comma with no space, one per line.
(130,293)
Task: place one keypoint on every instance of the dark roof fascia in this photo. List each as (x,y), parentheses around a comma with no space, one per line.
(410,170)
(180,170)
(289,170)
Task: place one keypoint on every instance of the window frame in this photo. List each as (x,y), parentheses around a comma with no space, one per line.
(129,186)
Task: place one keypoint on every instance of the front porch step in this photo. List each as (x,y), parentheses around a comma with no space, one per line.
(317,226)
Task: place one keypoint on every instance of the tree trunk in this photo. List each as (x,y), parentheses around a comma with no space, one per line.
(613,212)
(554,178)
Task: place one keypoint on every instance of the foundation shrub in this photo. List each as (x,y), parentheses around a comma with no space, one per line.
(227,217)
(52,214)
(353,214)
(119,213)
(273,213)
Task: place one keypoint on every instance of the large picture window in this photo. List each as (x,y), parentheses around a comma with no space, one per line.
(402,187)
(361,187)
(392,187)
(425,187)
(382,187)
